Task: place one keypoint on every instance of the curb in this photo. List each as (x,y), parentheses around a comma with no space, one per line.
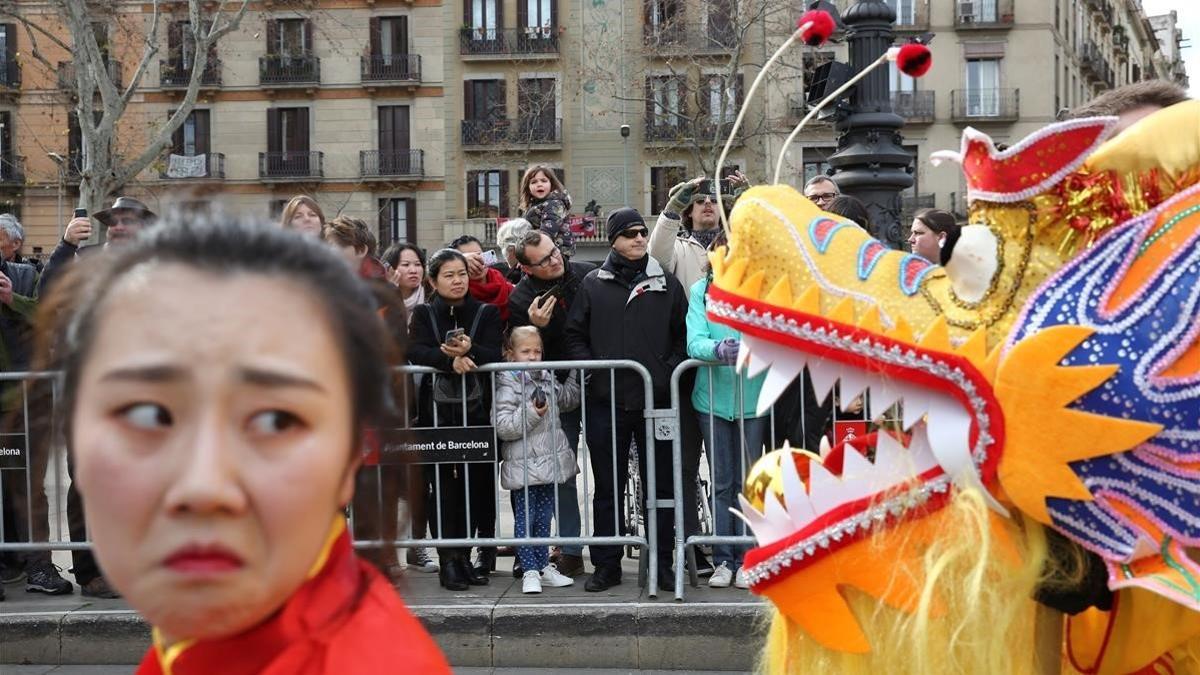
(708,636)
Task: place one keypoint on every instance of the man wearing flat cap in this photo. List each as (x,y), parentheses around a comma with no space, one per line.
(122,222)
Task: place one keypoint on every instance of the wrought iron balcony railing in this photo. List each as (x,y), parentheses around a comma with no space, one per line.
(66,73)
(392,68)
(12,171)
(283,70)
(10,74)
(387,163)
(293,165)
(974,105)
(512,132)
(677,36)
(983,14)
(529,41)
(914,106)
(175,74)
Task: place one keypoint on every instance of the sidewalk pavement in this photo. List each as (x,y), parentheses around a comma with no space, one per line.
(494,626)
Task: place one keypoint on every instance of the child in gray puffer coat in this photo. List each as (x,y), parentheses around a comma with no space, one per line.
(535,454)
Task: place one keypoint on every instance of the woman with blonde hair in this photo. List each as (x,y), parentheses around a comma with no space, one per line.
(303,214)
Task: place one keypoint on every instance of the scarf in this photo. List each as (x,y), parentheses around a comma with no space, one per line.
(411,302)
(628,271)
(493,290)
(705,237)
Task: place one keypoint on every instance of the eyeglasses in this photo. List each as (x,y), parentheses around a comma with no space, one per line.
(634,233)
(545,262)
(823,196)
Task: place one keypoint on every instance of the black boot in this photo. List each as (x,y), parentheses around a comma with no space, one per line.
(469,573)
(485,564)
(450,573)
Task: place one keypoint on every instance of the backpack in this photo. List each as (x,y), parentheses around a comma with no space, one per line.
(449,389)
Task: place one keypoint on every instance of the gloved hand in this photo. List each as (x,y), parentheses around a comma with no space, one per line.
(681,195)
(727,350)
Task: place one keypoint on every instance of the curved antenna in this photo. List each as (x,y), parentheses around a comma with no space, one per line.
(737,123)
(883,58)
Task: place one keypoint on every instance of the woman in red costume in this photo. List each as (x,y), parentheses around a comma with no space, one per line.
(217,379)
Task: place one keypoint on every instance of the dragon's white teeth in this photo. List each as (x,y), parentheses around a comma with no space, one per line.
(765,529)
(743,355)
(825,448)
(916,404)
(824,489)
(883,396)
(763,353)
(854,382)
(824,374)
(799,506)
(778,378)
(949,434)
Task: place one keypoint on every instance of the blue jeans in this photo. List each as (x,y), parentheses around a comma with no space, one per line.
(541,510)
(568,490)
(723,440)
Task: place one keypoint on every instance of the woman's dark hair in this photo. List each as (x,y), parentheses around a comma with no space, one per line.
(851,207)
(441,258)
(392,255)
(464,239)
(224,246)
(942,222)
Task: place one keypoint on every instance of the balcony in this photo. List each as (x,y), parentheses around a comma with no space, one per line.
(66,74)
(677,37)
(1102,11)
(210,166)
(483,229)
(1095,67)
(487,43)
(12,172)
(985,105)
(522,133)
(10,75)
(983,14)
(391,164)
(916,107)
(911,18)
(289,71)
(175,74)
(397,68)
(910,204)
(291,165)
(797,108)
(1120,42)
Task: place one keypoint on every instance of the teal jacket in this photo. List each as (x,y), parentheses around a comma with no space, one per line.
(702,338)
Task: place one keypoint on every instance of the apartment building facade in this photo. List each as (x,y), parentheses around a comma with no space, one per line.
(1170,40)
(338,100)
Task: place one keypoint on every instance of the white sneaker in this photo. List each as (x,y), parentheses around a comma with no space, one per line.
(720,577)
(740,579)
(531,582)
(555,579)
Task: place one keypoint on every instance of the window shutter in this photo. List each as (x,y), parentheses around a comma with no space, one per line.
(501,99)
(175,39)
(522,13)
(273,37)
(410,234)
(468,20)
(6,138)
(739,88)
(274,140)
(177,137)
(376,33)
(302,130)
(472,192)
(649,100)
(202,131)
(401,129)
(382,215)
(308,37)
(469,100)
(400,35)
(503,193)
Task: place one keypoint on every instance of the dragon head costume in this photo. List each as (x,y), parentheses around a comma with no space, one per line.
(1048,376)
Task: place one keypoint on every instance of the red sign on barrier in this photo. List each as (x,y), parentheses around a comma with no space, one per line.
(845,431)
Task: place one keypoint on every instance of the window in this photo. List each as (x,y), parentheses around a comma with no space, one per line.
(662,13)
(389,37)
(720,99)
(484,16)
(721,27)
(816,163)
(899,82)
(664,101)
(487,193)
(906,12)
(8,52)
(536,106)
(288,142)
(983,88)
(662,179)
(192,137)
(394,140)
(537,17)
(397,221)
(289,38)
(987,11)
(7,168)
(484,100)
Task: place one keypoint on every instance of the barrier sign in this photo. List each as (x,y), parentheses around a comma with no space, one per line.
(437,446)
(12,454)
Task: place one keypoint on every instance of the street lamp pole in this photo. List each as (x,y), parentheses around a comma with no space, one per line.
(871,162)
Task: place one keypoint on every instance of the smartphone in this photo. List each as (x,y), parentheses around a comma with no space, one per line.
(81,213)
(453,335)
(556,291)
(538,398)
(489,258)
(706,188)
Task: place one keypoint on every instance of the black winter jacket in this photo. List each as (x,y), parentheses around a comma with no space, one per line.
(554,335)
(645,322)
(424,349)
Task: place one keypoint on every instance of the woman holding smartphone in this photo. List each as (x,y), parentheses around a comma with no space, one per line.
(456,333)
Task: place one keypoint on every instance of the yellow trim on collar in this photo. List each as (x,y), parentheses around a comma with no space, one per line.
(167,656)
(335,531)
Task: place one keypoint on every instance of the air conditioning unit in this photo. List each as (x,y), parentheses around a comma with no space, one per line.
(966,12)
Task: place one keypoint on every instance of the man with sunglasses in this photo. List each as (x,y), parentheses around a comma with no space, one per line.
(689,223)
(543,298)
(629,308)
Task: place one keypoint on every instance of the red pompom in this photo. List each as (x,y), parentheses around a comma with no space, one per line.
(820,30)
(914,59)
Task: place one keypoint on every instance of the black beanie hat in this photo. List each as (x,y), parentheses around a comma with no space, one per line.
(621,219)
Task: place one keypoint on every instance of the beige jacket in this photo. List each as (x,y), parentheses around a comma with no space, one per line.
(683,257)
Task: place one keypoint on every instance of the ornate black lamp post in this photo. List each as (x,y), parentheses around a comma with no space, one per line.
(871,162)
